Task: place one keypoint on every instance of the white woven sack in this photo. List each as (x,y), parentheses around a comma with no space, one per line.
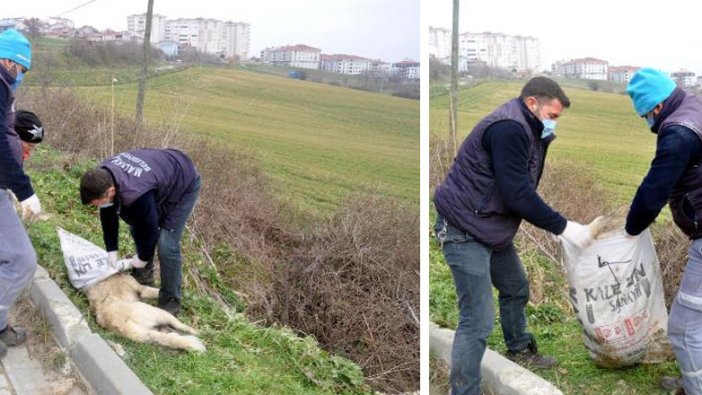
(617,293)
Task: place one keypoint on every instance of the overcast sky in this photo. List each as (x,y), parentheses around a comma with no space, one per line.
(662,34)
(385,29)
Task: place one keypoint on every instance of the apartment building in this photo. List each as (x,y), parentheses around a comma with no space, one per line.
(406,68)
(300,55)
(584,68)
(514,53)
(230,39)
(621,74)
(345,64)
(136,26)
(684,78)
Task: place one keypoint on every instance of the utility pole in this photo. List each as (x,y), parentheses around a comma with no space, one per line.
(453,116)
(145,65)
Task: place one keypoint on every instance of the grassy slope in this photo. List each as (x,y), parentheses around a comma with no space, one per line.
(319,142)
(242,357)
(601,133)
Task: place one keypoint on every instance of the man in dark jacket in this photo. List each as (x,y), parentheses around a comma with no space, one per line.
(18,260)
(154,191)
(489,189)
(675,177)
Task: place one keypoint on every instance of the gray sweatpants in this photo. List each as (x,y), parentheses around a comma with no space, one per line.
(18,261)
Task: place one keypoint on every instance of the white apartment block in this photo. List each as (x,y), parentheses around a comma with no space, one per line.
(378,66)
(621,74)
(684,78)
(345,64)
(231,39)
(514,53)
(440,43)
(406,68)
(136,26)
(585,68)
(300,55)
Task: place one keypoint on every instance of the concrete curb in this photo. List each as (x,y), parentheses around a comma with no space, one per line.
(99,365)
(499,374)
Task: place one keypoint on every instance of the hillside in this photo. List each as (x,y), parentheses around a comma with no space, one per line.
(319,142)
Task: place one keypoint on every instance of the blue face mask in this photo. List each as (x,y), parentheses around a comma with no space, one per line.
(549,128)
(18,81)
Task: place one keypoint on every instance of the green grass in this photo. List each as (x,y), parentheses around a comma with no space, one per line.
(319,142)
(602,134)
(242,357)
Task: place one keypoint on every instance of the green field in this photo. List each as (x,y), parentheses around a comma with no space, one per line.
(318,142)
(603,136)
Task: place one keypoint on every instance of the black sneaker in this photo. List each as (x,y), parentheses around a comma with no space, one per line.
(12,337)
(530,358)
(170,304)
(670,384)
(145,275)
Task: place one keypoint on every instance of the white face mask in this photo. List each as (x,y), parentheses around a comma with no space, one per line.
(106,205)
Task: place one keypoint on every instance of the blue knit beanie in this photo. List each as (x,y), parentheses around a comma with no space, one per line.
(649,87)
(15,47)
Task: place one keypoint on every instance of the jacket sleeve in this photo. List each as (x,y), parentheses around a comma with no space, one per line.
(12,175)
(677,147)
(509,148)
(110,228)
(145,230)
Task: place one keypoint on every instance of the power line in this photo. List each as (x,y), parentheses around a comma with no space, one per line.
(75,8)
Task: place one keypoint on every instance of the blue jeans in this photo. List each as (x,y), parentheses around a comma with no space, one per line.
(18,261)
(685,322)
(169,255)
(476,268)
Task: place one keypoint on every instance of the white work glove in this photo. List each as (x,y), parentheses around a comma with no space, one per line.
(31,207)
(577,234)
(137,263)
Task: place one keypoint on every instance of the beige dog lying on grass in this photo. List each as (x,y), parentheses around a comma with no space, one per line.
(115,302)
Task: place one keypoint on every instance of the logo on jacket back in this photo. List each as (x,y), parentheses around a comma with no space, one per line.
(133,166)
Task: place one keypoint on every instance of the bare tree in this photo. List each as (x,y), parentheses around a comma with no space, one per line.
(34,27)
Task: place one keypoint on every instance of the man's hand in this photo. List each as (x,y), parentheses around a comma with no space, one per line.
(577,234)
(31,208)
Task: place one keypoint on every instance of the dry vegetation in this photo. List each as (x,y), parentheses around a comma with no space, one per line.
(352,281)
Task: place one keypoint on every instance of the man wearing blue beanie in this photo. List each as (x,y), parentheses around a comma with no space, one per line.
(18,259)
(675,177)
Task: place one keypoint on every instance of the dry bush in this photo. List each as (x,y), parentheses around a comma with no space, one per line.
(352,282)
(671,246)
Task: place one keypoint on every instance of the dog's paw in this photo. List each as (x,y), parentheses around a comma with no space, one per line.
(195,344)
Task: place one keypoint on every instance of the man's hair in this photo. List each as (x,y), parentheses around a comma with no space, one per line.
(94,185)
(544,88)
